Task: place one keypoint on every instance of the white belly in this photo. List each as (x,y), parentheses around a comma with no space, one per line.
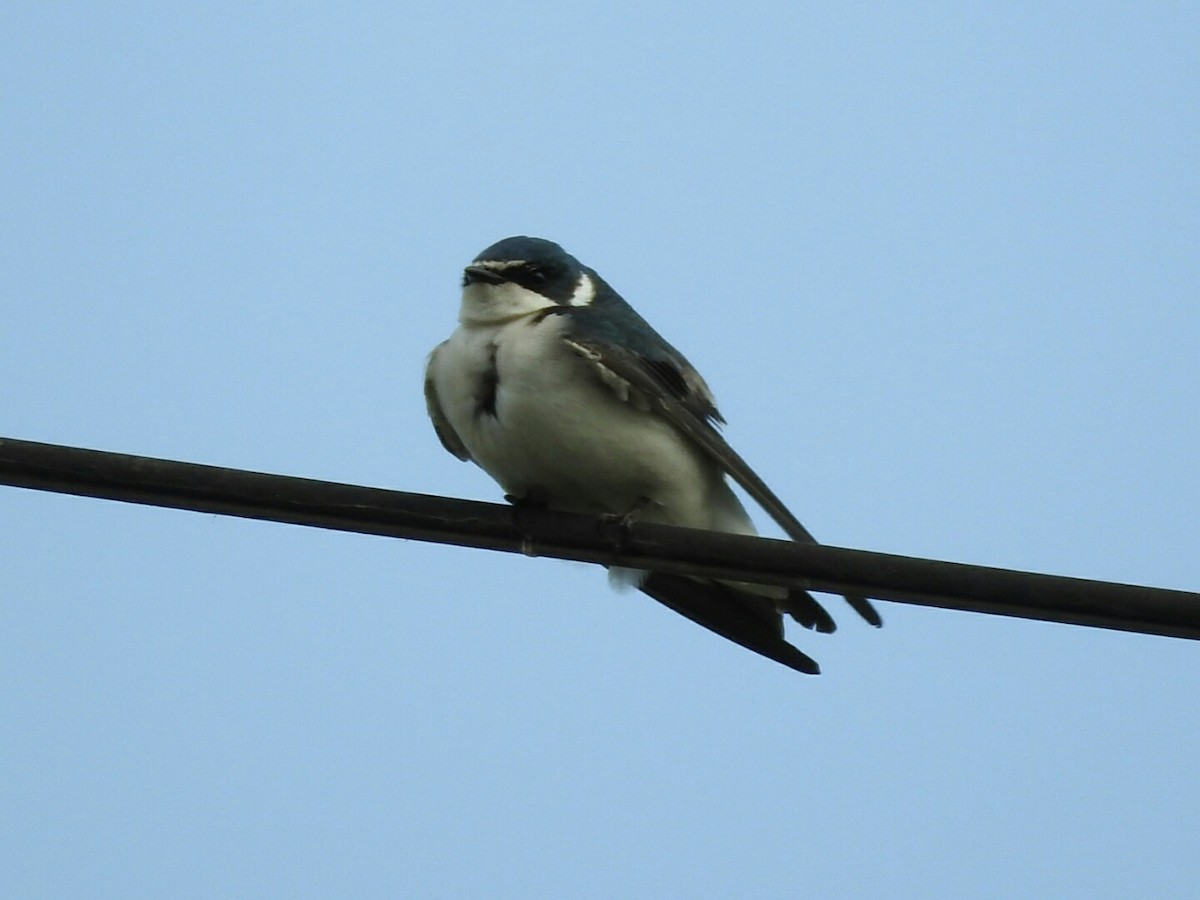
(561,436)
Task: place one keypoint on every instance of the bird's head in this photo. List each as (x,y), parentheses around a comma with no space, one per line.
(519,276)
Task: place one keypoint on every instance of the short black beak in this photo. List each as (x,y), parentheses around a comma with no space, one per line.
(481,274)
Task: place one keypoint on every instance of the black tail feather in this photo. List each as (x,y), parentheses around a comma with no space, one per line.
(804,608)
(746,619)
(863,607)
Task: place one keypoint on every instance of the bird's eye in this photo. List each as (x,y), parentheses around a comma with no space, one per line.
(539,274)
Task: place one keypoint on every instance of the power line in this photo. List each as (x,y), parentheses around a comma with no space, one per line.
(366,510)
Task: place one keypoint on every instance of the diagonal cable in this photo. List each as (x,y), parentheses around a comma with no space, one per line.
(367,510)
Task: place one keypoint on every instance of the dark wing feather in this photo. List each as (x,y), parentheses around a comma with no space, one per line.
(670,385)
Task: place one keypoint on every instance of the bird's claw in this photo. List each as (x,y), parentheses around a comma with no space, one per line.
(617,526)
(520,507)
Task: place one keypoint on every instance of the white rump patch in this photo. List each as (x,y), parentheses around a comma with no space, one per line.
(622,579)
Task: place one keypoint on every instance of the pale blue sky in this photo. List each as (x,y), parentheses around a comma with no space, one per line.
(939,264)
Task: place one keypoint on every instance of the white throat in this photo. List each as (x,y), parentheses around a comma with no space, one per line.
(492,304)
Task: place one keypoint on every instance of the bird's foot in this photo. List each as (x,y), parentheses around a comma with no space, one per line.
(521,507)
(617,526)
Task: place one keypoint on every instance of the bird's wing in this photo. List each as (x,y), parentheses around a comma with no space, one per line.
(667,383)
(445,432)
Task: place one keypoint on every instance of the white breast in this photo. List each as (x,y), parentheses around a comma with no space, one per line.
(559,435)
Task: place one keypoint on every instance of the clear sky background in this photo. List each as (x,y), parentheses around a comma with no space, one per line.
(939,264)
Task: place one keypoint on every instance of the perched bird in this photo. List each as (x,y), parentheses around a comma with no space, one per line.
(567,397)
